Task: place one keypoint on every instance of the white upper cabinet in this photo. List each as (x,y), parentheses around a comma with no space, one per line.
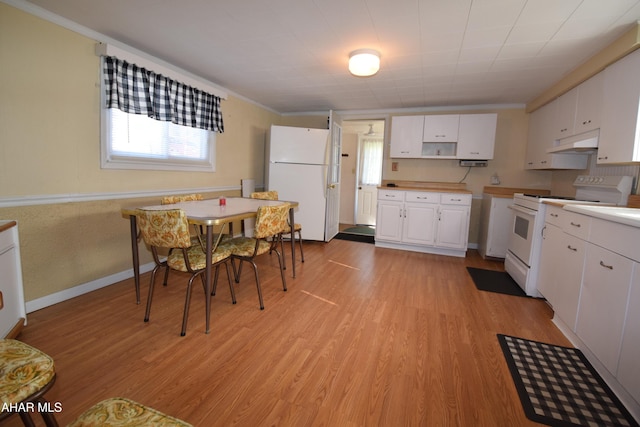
(589,104)
(580,109)
(443,136)
(441,128)
(566,114)
(540,138)
(619,132)
(406,136)
(476,136)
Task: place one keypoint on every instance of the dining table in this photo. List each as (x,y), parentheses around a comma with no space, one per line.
(207,214)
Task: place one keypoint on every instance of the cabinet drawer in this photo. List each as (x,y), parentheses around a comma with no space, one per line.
(619,238)
(393,195)
(554,215)
(422,197)
(455,199)
(576,224)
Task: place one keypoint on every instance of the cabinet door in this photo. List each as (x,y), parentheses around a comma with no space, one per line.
(540,137)
(570,264)
(441,128)
(566,116)
(389,221)
(589,105)
(406,136)
(419,223)
(549,262)
(476,136)
(618,142)
(453,226)
(628,372)
(603,302)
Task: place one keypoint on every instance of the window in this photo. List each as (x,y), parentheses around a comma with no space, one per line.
(152,121)
(136,141)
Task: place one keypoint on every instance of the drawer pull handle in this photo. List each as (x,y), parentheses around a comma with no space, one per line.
(610,267)
(456,200)
(572,248)
(555,215)
(575,225)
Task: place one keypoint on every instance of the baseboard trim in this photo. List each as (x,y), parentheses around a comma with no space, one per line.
(66,294)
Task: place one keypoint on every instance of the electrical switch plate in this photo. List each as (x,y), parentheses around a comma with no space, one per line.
(394,166)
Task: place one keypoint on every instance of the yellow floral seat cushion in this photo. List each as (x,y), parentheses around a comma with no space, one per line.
(24,370)
(119,411)
(244,246)
(197,258)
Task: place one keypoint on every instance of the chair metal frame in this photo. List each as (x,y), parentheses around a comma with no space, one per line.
(297,228)
(272,239)
(184,245)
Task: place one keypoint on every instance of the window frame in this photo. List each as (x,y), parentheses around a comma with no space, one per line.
(110,160)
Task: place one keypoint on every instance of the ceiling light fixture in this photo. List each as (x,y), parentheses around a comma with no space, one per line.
(371,132)
(364,62)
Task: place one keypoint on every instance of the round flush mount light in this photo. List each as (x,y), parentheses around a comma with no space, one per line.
(364,62)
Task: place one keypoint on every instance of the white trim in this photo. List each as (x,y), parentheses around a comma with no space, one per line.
(52,199)
(66,294)
(382,113)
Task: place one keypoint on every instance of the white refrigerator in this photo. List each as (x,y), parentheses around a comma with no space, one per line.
(297,169)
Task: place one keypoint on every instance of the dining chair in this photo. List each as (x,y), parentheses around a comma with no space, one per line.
(169,229)
(120,411)
(297,228)
(270,221)
(26,374)
(170,200)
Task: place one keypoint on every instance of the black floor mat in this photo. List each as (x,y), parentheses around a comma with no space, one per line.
(495,281)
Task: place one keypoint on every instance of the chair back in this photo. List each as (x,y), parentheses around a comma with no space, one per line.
(271,220)
(265,195)
(170,200)
(164,228)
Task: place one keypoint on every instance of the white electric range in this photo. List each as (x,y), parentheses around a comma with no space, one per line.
(525,237)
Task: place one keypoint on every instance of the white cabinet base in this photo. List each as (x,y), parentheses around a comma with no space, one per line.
(421,248)
(627,400)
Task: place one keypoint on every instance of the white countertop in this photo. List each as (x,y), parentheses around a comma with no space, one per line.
(619,214)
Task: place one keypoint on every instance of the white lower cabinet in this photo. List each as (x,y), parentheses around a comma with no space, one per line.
(603,303)
(420,223)
(13,313)
(389,220)
(429,222)
(562,263)
(453,221)
(628,367)
(590,274)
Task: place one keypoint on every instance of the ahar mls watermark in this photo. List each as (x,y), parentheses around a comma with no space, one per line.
(32,407)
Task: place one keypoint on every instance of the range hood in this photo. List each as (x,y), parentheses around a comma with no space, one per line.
(583,143)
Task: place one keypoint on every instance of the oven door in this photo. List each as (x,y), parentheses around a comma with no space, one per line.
(521,233)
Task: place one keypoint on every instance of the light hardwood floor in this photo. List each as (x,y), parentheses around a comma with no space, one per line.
(364,337)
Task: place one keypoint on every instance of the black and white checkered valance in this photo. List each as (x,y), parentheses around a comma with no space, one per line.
(136,90)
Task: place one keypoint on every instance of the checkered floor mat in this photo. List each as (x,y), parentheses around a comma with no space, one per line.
(559,387)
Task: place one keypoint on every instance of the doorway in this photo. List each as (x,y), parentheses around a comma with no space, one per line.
(362,158)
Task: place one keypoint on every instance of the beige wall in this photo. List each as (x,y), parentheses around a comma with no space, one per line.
(49,147)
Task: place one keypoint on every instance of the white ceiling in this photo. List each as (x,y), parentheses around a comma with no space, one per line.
(291,55)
